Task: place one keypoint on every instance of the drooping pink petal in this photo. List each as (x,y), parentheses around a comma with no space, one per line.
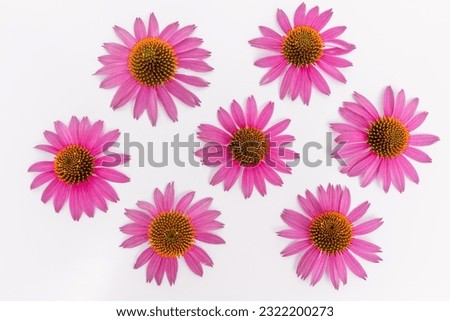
(161,271)
(273,73)
(247,182)
(319,269)
(152,108)
(259,181)
(201,255)
(171,270)
(270,175)
(408,169)
(286,83)
(209,238)
(61,196)
(153,266)
(125,93)
(371,257)
(332,71)
(232,176)
(141,102)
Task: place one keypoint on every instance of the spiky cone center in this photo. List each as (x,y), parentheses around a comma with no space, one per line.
(152,62)
(302,46)
(73,164)
(331,232)
(249,146)
(388,137)
(171,234)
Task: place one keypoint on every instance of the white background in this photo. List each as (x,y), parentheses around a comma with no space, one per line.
(48,53)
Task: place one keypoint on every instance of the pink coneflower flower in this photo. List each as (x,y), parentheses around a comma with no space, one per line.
(146,67)
(171,231)
(376,145)
(80,169)
(247,146)
(327,235)
(301,51)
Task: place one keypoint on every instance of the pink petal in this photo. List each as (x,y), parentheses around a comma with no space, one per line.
(305,91)
(116,80)
(201,255)
(354,265)
(238,114)
(295,220)
(416,121)
(141,102)
(125,93)
(111,175)
(191,80)
(158,197)
(307,263)
(283,21)
(369,107)
(409,110)
(332,71)
(367,227)
(193,263)
(139,29)
(322,20)
(153,28)
(332,271)
(134,241)
(209,238)
(168,31)
(167,102)
(269,61)
(61,196)
(270,175)
(273,73)
(134,229)
(319,270)
(370,173)
(181,34)
(417,155)
(398,178)
(259,181)
(125,36)
(408,169)
(53,139)
(187,45)
(196,53)
(144,257)
(296,247)
(399,104)
(185,201)
(153,267)
(267,32)
(332,33)
(194,64)
(311,16)
(152,108)
(138,216)
(169,196)
(371,257)
(265,115)
(247,182)
(45,166)
(171,270)
(184,95)
(47,148)
(278,128)
(299,16)
(161,270)
(226,121)
(251,111)
(199,207)
(358,212)
(422,139)
(388,102)
(286,83)
(74,203)
(294,234)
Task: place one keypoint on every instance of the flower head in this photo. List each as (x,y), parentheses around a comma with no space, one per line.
(327,236)
(247,145)
(378,145)
(146,67)
(301,51)
(80,169)
(171,231)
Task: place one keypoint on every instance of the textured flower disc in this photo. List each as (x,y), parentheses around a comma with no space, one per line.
(302,46)
(171,234)
(388,137)
(249,146)
(152,62)
(331,232)
(73,164)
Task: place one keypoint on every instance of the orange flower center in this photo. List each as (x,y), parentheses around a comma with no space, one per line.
(171,234)
(388,137)
(152,62)
(249,146)
(302,46)
(73,164)
(331,232)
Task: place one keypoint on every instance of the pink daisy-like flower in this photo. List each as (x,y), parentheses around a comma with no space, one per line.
(146,67)
(301,51)
(171,231)
(327,235)
(80,168)
(376,145)
(247,146)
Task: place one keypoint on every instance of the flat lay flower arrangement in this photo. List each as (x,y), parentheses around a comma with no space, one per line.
(154,68)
